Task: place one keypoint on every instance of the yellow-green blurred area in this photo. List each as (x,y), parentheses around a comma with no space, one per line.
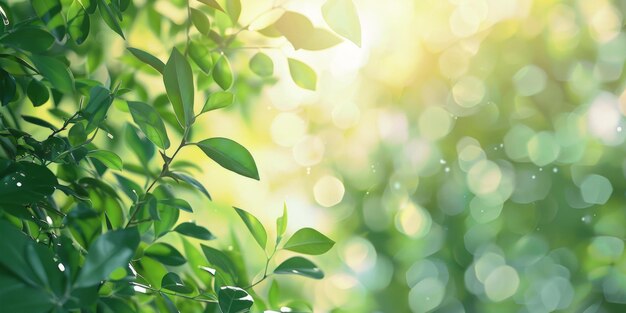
(468,157)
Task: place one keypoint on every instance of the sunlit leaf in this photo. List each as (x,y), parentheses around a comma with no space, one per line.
(150,123)
(165,254)
(302,34)
(108,158)
(148,58)
(262,65)
(77,22)
(50,12)
(222,73)
(230,155)
(200,21)
(281,224)
(56,72)
(302,74)
(342,17)
(218,100)
(299,266)
(178,81)
(201,56)
(309,241)
(213,4)
(233,8)
(254,226)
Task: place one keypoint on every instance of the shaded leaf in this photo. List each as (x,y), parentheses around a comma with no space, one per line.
(25,182)
(148,58)
(230,155)
(171,281)
(141,146)
(309,241)
(39,40)
(39,122)
(8,87)
(77,22)
(37,92)
(193,230)
(177,204)
(165,254)
(56,72)
(108,158)
(95,112)
(49,11)
(299,266)
(150,123)
(110,18)
(213,4)
(254,226)
(201,56)
(234,300)
(178,81)
(191,181)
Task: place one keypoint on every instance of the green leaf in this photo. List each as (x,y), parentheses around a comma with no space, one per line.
(234,300)
(150,123)
(77,135)
(39,122)
(90,5)
(110,18)
(95,112)
(201,56)
(218,100)
(37,93)
(39,40)
(56,72)
(8,87)
(171,281)
(77,22)
(148,58)
(230,155)
(233,8)
(254,226)
(108,158)
(309,241)
(224,265)
(342,17)
(213,4)
(193,230)
(191,181)
(178,81)
(141,146)
(273,294)
(302,74)
(299,266)
(200,21)
(24,182)
(262,65)
(165,254)
(281,224)
(222,73)
(179,204)
(302,34)
(49,11)
(18,296)
(108,252)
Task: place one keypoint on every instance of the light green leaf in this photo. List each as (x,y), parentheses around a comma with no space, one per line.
(193,230)
(150,123)
(178,81)
(108,252)
(171,281)
(56,72)
(342,17)
(191,181)
(230,155)
(302,74)
(234,300)
(254,226)
(179,204)
(200,21)
(77,22)
(165,254)
(213,4)
(148,58)
(233,8)
(262,65)
(281,224)
(110,18)
(218,100)
(201,56)
(222,73)
(141,146)
(309,241)
(299,266)
(108,158)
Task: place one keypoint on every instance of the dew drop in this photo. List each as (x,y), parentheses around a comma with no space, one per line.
(555,170)
(447,169)
(619,129)
(541,169)
(19,184)
(533,177)
(442,161)
(110,135)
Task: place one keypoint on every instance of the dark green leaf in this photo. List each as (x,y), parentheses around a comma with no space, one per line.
(25,182)
(56,72)
(109,17)
(150,123)
(201,56)
(165,254)
(262,65)
(8,87)
(302,74)
(213,4)
(108,252)
(234,300)
(193,230)
(77,22)
(309,241)
(18,296)
(77,134)
(148,58)
(90,5)
(108,158)
(299,266)
(254,226)
(141,146)
(100,100)
(191,181)
(222,73)
(37,121)
(200,21)
(49,11)
(302,34)
(218,100)
(171,281)
(230,155)
(233,8)
(342,17)
(39,40)
(178,81)
(37,93)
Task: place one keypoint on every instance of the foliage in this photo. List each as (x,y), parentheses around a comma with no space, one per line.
(82,228)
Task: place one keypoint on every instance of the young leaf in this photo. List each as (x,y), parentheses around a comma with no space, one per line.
(218,100)
(200,21)
(56,72)
(39,122)
(299,266)
(150,123)
(148,58)
(165,254)
(178,81)
(49,11)
(109,251)
(108,158)
(37,93)
(193,230)
(77,22)
(171,281)
(213,4)
(222,73)
(201,56)
(234,300)
(342,17)
(309,241)
(273,294)
(39,40)
(302,34)
(230,155)
(254,226)
(233,8)
(281,224)
(302,74)
(110,18)
(262,65)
